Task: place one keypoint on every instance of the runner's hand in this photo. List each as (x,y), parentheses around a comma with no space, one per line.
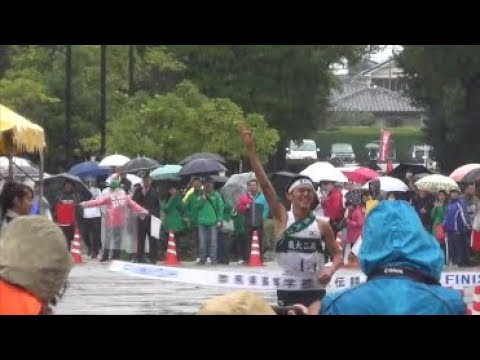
(313,309)
(246,136)
(326,275)
(303,309)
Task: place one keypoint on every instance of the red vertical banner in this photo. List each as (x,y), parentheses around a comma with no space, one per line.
(384,150)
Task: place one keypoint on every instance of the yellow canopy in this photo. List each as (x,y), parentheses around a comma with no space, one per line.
(24,135)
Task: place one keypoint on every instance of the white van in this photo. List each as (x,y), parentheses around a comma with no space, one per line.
(306,150)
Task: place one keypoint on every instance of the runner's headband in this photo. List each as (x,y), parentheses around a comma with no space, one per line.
(300,182)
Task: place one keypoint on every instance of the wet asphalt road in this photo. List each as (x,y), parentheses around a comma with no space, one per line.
(95,290)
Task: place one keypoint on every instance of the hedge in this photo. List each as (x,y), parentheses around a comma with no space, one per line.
(359,136)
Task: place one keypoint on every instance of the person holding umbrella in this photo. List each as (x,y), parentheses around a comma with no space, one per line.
(125,184)
(210,215)
(438,217)
(354,219)
(254,208)
(91,222)
(457,225)
(117,204)
(64,210)
(148,198)
(423,203)
(174,210)
(191,201)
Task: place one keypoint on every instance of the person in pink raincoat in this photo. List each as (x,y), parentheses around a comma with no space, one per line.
(116,203)
(354,219)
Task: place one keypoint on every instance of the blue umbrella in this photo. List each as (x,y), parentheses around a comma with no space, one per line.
(89,169)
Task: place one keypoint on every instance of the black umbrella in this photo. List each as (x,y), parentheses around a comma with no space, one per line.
(201,167)
(471,177)
(280,181)
(205,156)
(140,164)
(401,170)
(355,196)
(54,185)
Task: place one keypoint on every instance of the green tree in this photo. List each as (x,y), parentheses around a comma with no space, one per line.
(288,84)
(445,80)
(174,125)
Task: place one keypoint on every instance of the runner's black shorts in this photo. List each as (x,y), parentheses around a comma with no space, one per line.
(304,297)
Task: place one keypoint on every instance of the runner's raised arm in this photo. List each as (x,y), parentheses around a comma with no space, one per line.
(278,211)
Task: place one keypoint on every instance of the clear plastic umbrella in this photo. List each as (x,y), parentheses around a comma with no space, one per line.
(236,186)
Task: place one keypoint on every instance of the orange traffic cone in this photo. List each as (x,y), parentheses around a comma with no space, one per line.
(76,249)
(171,256)
(255,258)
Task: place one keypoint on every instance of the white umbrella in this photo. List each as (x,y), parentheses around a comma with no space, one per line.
(388,184)
(435,183)
(323,171)
(134,179)
(114,160)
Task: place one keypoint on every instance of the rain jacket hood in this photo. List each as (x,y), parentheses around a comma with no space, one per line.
(34,256)
(394,236)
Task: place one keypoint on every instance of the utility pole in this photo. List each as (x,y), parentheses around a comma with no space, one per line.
(68,104)
(103,98)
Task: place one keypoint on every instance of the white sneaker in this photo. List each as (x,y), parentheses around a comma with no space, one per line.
(209,261)
(240,262)
(197,261)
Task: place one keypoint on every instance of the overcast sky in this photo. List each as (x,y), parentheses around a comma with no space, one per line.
(385,54)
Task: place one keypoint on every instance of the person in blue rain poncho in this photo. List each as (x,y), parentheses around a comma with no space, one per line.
(403,263)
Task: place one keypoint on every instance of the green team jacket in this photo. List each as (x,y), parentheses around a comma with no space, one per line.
(191,207)
(174,214)
(227,211)
(438,215)
(230,213)
(211,210)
